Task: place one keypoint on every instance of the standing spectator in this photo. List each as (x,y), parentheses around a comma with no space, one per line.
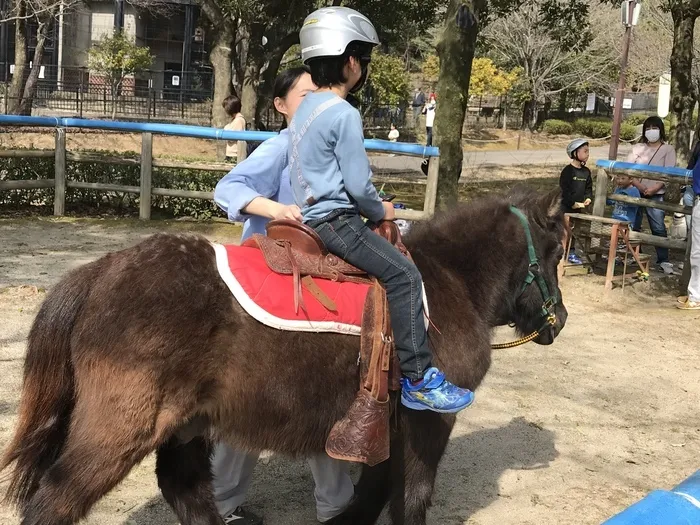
(393,136)
(393,133)
(692,301)
(430,119)
(234,149)
(417,105)
(653,151)
(576,184)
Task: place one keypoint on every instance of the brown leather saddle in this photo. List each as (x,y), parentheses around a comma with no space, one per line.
(292,248)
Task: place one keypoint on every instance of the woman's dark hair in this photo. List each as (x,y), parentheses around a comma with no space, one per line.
(287,79)
(232,105)
(328,71)
(657,123)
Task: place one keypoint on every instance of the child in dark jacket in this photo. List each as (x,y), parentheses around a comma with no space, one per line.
(575,180)
(576,184)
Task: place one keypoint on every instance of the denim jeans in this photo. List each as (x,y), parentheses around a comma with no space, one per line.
(347,236)
(656,223)
(688,199)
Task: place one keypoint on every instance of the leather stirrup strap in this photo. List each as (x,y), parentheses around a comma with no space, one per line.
(298,297)
(328,303)
(377,381)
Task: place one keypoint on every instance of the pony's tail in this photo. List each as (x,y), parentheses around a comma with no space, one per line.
(47,393)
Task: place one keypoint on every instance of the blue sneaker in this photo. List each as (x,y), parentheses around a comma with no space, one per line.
(435,393)
(574,259)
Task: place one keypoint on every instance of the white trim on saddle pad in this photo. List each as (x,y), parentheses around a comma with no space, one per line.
(266,318)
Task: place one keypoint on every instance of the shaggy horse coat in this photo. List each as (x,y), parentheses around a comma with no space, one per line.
(131,351)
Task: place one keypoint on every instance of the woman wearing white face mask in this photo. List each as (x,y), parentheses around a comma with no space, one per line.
(653,151)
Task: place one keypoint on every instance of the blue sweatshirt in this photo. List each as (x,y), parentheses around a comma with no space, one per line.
(328,166)
(264,174)
(623,211)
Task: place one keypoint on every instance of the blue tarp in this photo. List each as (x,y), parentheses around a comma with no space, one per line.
(680,506)
(613,164)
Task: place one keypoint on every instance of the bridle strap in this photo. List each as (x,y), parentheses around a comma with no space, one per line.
(534,274)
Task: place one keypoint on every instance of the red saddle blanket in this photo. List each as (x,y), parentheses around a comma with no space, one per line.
(268,296)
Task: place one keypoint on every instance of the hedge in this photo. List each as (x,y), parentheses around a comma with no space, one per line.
(557,127)
(100,202)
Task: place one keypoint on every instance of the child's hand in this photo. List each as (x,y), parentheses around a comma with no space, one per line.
(578,205)
(389,213)
(291,212)
(587,202)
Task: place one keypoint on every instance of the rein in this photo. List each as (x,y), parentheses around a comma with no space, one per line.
(534,274)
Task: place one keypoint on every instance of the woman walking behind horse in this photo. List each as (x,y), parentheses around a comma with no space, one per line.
(255,191)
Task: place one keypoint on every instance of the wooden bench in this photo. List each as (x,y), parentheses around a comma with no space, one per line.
(591,230)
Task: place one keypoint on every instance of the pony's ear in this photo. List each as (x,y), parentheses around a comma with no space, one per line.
(550,204)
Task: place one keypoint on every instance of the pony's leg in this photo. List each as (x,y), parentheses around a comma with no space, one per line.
(416,451)
(95,458)
(184,478)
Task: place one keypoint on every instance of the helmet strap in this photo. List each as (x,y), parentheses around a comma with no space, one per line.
(360,83)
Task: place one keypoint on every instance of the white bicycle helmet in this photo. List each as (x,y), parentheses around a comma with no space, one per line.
(328,31)
(573,146)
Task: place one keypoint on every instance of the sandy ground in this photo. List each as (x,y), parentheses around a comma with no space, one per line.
(570,433)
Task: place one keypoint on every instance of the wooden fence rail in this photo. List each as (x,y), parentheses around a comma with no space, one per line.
(147,163)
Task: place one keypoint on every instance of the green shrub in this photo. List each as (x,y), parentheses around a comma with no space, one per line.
(635,119)
(594,128)
(26,169)
(628,131)
(557,127)
(84,201)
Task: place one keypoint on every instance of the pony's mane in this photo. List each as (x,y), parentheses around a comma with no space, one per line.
(480,218)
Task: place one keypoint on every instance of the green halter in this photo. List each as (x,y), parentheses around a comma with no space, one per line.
(534,273)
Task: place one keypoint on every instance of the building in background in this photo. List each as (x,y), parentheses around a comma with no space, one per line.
(180,73)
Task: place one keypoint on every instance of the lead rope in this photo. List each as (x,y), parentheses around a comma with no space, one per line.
(517,342)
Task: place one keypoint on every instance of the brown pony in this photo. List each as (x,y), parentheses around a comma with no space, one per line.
(133,351)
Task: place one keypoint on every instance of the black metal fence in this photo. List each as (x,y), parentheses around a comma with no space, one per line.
(170,96)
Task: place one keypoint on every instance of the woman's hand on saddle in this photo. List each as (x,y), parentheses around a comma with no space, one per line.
(291,212)
(389,212)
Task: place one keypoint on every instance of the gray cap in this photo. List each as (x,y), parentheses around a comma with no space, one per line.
(328,31)
(574,145)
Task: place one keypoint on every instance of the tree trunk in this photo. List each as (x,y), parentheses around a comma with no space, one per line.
(25,105)
(270,73)
(456,52)
(220,58)
(114,86)
(16,88)
(529,114)
(252,62)
(682,99)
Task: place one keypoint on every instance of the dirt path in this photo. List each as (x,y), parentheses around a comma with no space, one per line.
(570,433)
